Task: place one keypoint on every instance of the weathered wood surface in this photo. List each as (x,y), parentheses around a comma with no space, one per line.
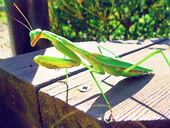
(142,98)
(56,113)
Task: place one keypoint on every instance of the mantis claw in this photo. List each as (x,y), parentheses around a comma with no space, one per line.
(61,81)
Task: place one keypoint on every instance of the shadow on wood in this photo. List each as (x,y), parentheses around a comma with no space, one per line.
(123,90)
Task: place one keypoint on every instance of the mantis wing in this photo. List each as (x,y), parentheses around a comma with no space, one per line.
(116,62)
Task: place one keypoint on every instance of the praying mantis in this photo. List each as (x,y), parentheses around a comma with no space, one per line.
(100,63)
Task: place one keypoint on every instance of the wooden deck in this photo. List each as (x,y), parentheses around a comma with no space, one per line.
(140,98)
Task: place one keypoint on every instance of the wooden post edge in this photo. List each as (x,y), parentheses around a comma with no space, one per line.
(20,107)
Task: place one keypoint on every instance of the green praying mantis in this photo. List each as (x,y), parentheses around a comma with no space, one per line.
(100,63)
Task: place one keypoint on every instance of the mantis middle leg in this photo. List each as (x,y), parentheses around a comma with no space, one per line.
(99,47)
(92,70)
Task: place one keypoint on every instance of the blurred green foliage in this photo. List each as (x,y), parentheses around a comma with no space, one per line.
(84,20)
(3,18)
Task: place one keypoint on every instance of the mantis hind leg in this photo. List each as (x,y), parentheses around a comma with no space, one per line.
(147,57)
(99,47)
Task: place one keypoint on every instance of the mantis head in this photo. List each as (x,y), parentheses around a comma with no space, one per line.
(35,36)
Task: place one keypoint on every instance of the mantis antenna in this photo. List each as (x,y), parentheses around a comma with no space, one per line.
(30,29)
(20,22)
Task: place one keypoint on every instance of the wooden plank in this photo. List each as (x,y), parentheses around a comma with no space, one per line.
(24,67)
(54,112)
(139,98)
